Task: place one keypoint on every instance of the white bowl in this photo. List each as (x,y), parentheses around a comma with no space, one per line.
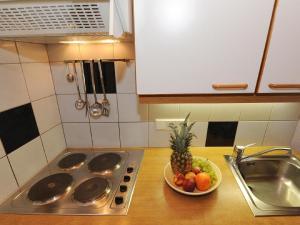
(169,175)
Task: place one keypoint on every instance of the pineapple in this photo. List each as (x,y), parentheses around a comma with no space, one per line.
(180,141)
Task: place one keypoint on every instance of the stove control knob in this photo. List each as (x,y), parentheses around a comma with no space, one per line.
(126,178)
(129,169)
(123,188)
(119,200)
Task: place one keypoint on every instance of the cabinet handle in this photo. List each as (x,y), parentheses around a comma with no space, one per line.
(238,86)
(284,86)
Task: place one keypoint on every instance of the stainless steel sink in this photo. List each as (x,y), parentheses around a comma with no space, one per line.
(270,184)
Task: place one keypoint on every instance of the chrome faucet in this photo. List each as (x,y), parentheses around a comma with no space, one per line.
(238,152)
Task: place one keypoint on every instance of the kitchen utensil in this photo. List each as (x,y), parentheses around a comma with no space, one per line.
(69,75)
(79,103)
(169,175)
(105,102)
(87,104)
(96,107)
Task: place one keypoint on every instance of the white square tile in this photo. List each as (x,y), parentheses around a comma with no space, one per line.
(200,130)
(46,113)
(130,110)
(125,77)
(105,135)
(225,112)
(163,111)
(28,160)
(54,142)
(61,52)
(68,111)
(61,84)
(285,111)
(158,138)
(199,112)
(8,184)
(296,138)
(29,52)
(255,111)
(2,151)
(113,114)
(250,132)
(38,79)
(8,52)
(124,51)
(78,134)
(96,51)
(134,134)
(13,91)
(280,133)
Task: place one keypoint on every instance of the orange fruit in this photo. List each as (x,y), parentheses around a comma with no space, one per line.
(203,181)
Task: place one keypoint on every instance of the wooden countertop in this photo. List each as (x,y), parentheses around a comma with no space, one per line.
(155,203)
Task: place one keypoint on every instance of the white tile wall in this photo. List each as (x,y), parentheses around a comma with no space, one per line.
(255,112)
(96,51)
(2,151)
(29,53)
(125,77)
(285,111)
(78,134)
(158,138)
(296,138)
(105,135)
(61,52)
(130,110)
(62,85)
(134,134)
(113,115)
(225,112)
(27,160)
(250,132)
(24,74)
(46,113)
(280,133)
(68,111)
(38,79)
(53,142)
(8,52)
(200,130)
(199,112)
(8,183)
(13,91)
(162,111)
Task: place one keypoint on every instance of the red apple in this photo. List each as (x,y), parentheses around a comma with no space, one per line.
(188,185)
(178,179)
(196,170)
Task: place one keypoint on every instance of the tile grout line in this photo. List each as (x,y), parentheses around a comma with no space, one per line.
(12,171)
(120,142)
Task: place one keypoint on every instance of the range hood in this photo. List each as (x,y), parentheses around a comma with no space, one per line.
(58,21)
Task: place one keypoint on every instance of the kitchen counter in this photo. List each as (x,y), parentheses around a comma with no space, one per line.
(154,202)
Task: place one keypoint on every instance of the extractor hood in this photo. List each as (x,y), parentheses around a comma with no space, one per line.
(69,20)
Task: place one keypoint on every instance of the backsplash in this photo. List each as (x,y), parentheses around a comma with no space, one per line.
(35,87)
(131,124)
(30,126)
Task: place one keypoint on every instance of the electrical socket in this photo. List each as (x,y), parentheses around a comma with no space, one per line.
(163,124)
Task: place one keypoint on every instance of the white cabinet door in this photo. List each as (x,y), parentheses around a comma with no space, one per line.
(282,68)
(187,46)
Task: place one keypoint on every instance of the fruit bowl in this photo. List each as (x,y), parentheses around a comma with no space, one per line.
(168,173)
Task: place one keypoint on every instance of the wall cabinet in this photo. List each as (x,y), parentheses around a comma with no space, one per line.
(200,46)
(282,69)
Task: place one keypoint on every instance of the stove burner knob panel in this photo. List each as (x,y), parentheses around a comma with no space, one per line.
(126,178)
(129,169)
(119,200)
(123,188)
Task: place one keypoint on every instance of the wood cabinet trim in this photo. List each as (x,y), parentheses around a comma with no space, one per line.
(267,46)
(218,98)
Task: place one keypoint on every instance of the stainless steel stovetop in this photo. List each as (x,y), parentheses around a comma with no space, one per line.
(93,182)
